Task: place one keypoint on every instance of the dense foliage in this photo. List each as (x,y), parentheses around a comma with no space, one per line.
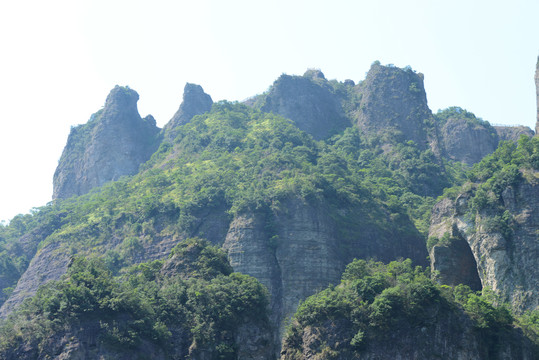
(192,310)
(376,303)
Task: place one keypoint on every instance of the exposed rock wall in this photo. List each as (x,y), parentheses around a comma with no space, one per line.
(505,264)
(394,107)
(300,249)
(114,143)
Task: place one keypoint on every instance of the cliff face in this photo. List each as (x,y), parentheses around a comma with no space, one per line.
(506,262)
(394,107)
(468,141)
(309,101)
(195,102)
(114,143)
(302,249)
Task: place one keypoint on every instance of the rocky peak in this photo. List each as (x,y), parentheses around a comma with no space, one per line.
(394,107)
(113,143)
(195,102)
(309,101)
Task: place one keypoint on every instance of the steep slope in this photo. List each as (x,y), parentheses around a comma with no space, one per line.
(195,102)
(396,312)
(309,101)
(114,142)
(494,224)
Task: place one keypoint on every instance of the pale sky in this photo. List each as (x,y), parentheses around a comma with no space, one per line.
(60,58)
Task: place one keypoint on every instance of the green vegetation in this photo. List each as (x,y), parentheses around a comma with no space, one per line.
(146,304)
(377,303)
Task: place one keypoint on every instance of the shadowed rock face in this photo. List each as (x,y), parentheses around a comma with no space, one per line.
(309,101)
(505,264)
(114,143)
(195,102)
(394,107)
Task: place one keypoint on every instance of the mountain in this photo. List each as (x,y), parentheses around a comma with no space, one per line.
(293,185)
(114,143)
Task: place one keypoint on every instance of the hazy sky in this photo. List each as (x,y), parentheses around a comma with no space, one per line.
(59,59)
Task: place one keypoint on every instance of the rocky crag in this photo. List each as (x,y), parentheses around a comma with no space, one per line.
(490,250)
(394,108)
(114,142)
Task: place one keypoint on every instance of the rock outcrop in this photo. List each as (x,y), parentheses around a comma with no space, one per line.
(513,133)
(309,101)
(468,141)
(506,258)
(394,108)
(114,143)
(195,102)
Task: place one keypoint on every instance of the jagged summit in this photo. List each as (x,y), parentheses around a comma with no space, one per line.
(195,102)
(113,143)
(394,106)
